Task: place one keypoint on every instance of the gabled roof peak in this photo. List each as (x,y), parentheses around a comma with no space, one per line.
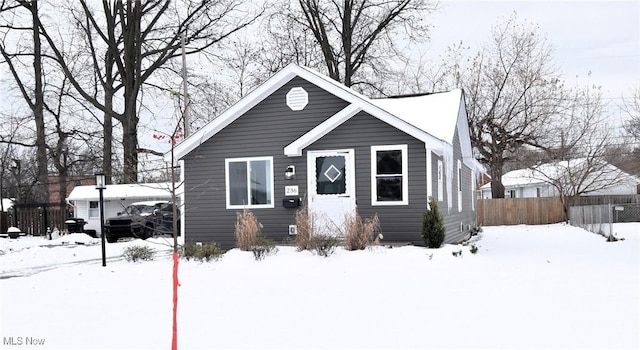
(418,94)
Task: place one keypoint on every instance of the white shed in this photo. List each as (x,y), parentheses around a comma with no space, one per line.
(7,203)
(85,200)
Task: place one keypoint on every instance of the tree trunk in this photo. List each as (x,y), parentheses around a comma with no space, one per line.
(38,108)
(497,188)
(132,80)
(347,34)
(107,126)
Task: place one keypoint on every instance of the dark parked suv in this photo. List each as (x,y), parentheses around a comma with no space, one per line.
(141,220)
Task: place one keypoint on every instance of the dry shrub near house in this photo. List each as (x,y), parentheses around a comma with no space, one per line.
(247,230)
(263,248)
(306,239)
(360,233)
(304,224)
(202,252)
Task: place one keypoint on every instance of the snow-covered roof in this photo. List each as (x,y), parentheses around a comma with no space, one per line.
(520,177)
(124,191)
(435,113)
(412,125)
(545,173)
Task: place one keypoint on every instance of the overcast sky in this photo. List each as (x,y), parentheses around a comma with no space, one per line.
(598,36)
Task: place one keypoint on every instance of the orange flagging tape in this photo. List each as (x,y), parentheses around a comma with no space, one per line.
(174,340)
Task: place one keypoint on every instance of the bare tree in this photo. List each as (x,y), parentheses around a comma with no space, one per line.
(359,37)
(31,86)
(68,137)
(140,37)
(631,107)
(577,146)
(512,92)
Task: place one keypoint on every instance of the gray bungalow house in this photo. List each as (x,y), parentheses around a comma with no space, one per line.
(301,138)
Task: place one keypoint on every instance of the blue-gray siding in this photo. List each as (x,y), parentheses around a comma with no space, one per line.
(453,219)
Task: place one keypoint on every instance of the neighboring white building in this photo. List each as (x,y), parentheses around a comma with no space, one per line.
(7,203)
(85,200)
(530,183)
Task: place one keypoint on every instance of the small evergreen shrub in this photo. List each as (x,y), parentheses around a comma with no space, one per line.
(247,230)
(263,248)
(205,252)
(137,253)
(360,233)
(433,230)
(474,249)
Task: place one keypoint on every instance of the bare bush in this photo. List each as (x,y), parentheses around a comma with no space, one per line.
(308,237)
(263,248)
(323,245)
(247,230)
(137,253)
(205,252)
(304,224)
(360,233)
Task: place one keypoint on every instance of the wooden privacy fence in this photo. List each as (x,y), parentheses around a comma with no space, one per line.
(516,211)
(4,221)
(35,219)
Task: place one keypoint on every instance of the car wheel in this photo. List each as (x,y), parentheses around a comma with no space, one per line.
(112,239)
(147,232)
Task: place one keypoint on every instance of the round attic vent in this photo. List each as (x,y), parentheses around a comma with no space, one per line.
(297,99)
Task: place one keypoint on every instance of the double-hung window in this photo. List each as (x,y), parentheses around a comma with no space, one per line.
(389,175)
(249,182)
(94,209)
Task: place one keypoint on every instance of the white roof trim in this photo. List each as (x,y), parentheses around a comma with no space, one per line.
(235,111)
(277,81)
(295,148)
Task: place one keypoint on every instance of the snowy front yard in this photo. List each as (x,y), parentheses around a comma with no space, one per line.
(551,286)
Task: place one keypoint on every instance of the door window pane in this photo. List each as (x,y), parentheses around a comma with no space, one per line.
(330,175)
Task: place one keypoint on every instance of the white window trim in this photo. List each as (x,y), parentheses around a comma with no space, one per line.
(473,190)
(228,188)
(459,186)
(405,174)
(440,176)
(97,216)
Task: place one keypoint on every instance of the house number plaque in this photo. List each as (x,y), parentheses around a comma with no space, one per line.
(290,190)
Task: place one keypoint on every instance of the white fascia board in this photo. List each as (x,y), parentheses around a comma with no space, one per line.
(235,111)
(464,135)
(295,148)
(277,81)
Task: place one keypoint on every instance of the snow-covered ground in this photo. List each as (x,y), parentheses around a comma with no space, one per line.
(550,286)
